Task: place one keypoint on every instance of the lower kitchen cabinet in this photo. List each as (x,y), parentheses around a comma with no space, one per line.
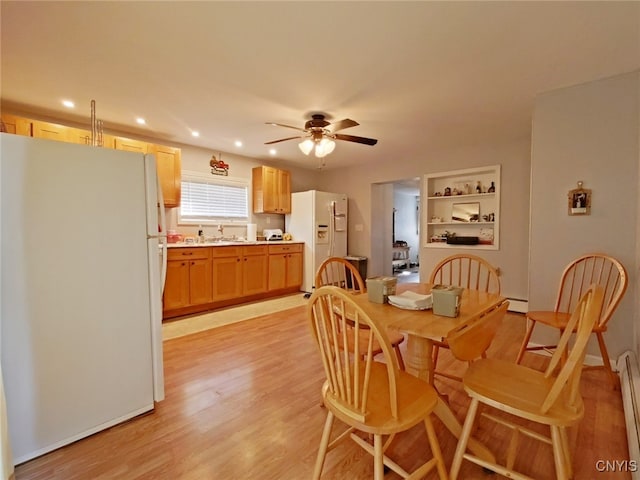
(189,278)
(239,271)
(285,266)
(209,277)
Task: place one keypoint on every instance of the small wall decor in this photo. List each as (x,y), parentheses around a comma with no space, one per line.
(579,200)
(218,167)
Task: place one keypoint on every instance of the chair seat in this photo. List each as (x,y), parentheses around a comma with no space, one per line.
(416,398)
(557,319)
(518,390)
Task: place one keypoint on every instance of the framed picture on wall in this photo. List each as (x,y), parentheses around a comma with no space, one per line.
(579,201)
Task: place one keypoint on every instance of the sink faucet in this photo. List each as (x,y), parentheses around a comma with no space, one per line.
(221,229)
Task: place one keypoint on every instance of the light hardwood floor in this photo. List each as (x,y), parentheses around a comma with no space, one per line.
(243,402)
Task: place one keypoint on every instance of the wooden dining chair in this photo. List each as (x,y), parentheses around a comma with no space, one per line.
(550,398)
(466,271)
(338,272)
(598,268)
(370,397)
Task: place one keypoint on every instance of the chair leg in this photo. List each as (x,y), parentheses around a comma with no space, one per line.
(525,341)
(464,439)
(435,449)
(378,460)
(399,355)
(559,456)
(324,443)
(567,451)
(605,359)
(434,358)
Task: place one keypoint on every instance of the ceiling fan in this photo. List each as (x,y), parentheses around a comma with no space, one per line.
(320,134)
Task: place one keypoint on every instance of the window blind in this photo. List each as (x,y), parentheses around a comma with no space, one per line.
(203,201)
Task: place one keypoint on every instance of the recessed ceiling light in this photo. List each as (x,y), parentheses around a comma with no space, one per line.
(238,143)
(195,134)
(140,121)
(68,103)
(273,151)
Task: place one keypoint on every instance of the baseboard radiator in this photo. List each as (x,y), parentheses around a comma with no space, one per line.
(630,387)
(518,305)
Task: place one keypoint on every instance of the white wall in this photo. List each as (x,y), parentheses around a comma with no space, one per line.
(365,186)
(587,132)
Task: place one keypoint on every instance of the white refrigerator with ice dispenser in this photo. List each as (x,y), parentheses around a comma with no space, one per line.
(82,270)
(319,219)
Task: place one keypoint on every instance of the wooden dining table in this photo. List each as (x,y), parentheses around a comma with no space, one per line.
(422,327)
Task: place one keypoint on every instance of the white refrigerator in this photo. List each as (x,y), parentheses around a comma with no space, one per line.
(319,219)
(82,265)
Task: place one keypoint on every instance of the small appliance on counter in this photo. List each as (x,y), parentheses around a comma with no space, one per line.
(272,234)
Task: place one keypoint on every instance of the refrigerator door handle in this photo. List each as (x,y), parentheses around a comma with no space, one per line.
(163,232)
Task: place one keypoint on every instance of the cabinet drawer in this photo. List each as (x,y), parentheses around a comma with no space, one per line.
(293,248)
(255,250)
(188,253)
(229,251)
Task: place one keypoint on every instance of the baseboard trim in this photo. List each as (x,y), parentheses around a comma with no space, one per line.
(589,360)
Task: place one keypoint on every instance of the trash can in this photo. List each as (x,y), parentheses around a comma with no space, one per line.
(361,265)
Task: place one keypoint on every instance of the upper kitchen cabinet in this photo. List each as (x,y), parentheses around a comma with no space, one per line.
(83,137)
(50,131)
(169,171)
(462,209)
(16,125)
(271,190)
(130,145)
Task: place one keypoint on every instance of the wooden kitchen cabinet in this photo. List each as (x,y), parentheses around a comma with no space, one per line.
(50,131)
(189,279)
(271,189)
(255,269)
(170,173)
(239,271)
(16,125)
(285,266)
(130,145)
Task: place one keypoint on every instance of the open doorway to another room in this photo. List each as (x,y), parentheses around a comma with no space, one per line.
(406,230)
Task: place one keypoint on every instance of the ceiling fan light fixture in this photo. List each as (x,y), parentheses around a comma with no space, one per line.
(306,146)
(324,147)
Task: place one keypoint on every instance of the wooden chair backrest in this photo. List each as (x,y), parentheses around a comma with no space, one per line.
(339,272)
(582,321)
(470,341)
(348,372)
(586,270)
(467,271)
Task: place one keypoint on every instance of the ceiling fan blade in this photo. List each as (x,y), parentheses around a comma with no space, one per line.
(342,124)
(352,138)
(286,126)
(281,140)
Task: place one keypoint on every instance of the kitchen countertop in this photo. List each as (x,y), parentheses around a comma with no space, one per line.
(227,243)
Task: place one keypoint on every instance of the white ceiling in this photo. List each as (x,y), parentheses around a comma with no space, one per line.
(418,76)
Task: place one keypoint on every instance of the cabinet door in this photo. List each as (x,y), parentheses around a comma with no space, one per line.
(50,131)
(78,135)
(294,270)
(16,125)
(227,278)
(169,171)
(270,189)
(284,192)
(277,271)
(255,274)
(176,288)
(129,145)
(200,289)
